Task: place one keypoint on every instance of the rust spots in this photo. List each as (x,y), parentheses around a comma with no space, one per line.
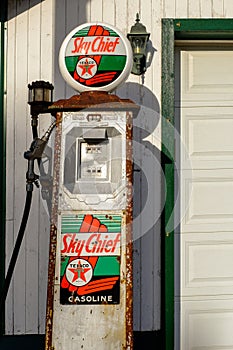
(50,287)
(93,100)
(108,217)
(53,237)
(129,246)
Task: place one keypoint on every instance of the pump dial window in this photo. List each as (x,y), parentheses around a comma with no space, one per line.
(93,160)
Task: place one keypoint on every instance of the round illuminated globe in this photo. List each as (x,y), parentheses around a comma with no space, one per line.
(95,56)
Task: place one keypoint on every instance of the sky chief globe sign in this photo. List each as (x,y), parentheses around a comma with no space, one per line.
(95,56)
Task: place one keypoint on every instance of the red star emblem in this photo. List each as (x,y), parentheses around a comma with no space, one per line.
(79,272)
(86,68)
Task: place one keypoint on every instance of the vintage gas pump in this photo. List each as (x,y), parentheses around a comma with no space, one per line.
(89,299)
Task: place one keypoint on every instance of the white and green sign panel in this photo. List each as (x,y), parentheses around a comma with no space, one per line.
(95,56)
(90,259)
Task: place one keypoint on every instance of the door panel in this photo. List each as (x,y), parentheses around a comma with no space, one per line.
(207,262)
(207,200)
(207,136)
(207,75)
(207,324)
(205,293)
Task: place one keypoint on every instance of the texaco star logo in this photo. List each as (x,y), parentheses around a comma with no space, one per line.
(86,68)
(79,272)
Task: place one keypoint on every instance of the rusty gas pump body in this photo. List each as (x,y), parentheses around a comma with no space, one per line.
(89,303)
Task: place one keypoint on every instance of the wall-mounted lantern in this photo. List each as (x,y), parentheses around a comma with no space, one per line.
(138,38)
(40,96)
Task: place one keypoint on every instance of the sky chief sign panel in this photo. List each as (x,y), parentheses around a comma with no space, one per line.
(95,56)
(90,259)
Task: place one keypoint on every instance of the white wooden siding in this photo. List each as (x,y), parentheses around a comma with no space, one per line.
(35,30)
(29,57)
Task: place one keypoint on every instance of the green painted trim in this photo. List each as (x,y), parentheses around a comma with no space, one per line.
(2,157)
(168,88)
(211,29)
(173,29)
(168,115)
(204,24)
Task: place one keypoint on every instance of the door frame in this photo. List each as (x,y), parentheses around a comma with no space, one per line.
(3,16)
(172,30)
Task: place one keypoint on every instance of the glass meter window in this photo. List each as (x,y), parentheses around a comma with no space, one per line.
(94,161)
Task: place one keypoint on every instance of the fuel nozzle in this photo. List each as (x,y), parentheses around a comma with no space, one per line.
(35,152)
(47,134)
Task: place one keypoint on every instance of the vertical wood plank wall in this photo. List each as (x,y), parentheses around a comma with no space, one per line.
(35,31)
(30,57)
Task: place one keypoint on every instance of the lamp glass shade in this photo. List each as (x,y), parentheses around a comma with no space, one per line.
(38,94)
(138,43)
(47,95)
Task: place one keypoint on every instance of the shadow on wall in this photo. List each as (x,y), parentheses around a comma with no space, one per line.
(76,12)
(19,7)
(142,96)
(147,207)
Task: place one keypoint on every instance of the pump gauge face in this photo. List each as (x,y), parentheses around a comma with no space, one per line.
(95,56)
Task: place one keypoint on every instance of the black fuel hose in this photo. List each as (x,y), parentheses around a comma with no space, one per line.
(25,216)
(16,249)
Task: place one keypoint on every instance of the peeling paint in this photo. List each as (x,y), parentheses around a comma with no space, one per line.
(53,238)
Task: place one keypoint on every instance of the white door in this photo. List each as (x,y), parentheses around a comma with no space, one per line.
(204,296)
